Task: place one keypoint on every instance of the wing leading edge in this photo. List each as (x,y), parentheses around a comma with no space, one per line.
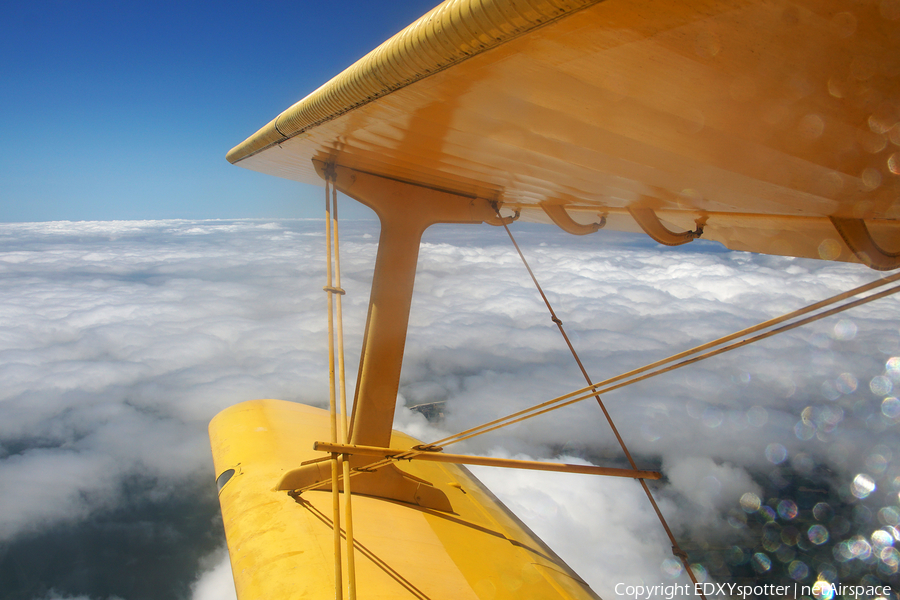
(760,122)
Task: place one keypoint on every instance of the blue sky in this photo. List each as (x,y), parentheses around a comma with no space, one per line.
(121,339)
(125,110)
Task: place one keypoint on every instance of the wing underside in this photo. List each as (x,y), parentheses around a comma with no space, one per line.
(769,126)
(761,123)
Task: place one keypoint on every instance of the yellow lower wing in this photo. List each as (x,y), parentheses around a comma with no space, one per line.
(281,545)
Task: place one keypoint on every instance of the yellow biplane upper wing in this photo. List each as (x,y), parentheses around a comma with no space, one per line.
(770,126)
(767,125)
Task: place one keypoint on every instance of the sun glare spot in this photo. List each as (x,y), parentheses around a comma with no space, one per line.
(811,127)
(829,249)
(880,385)
(757,416)
(893,163)
(804,430)
(871,178)
(750,502)
(890,407)
(672,567)
(892,368)
(817,534)
(847,383)
(862,486)
(881,539)
(776,453)
(822,590)
(823,511)
(844,330)
(787,509)
(798,570)
(761,562)
(890,517)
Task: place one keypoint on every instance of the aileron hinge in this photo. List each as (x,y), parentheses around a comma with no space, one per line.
(652,226)
(857,237)
(564,221)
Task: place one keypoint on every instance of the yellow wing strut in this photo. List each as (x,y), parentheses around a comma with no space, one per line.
(484,461)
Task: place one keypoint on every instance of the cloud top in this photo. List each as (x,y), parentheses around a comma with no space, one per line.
(120,340)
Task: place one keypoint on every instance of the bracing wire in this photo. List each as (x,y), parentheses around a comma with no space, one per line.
(344,434)
(716,347)
(332,408)
(658,367)
(676,549)
(340,465)
(592,390)
(647,371)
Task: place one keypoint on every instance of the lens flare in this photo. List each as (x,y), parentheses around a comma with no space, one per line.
(761,563)
(881,538)
(877,463)
(712,417)
(859,548)
(881,385)
(890,407)
(822,590)
(767,513)
(790,536)
(846,383)
(817,534)
(804,430)
(892,368)
(699,572)
(844,330)
(862,486)
(776,453)
(671,567)
(889,516)
(823,511)
(758,416)
(891,558)
(750,502)
(798,570)
(787,509)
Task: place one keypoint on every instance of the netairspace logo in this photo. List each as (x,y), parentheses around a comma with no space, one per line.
(821,590)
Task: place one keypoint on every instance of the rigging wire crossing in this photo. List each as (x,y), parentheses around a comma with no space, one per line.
(676,549)
(642,373)
(606,385)
(593,390)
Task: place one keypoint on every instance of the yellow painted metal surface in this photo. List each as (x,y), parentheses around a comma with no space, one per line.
(405,212)
(761,119)
(280,545)
(769,125)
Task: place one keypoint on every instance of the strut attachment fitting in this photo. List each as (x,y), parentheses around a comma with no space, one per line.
(405,211)
(497,220)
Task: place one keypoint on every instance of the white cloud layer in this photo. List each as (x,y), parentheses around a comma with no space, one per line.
(216,582)
(120,340)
